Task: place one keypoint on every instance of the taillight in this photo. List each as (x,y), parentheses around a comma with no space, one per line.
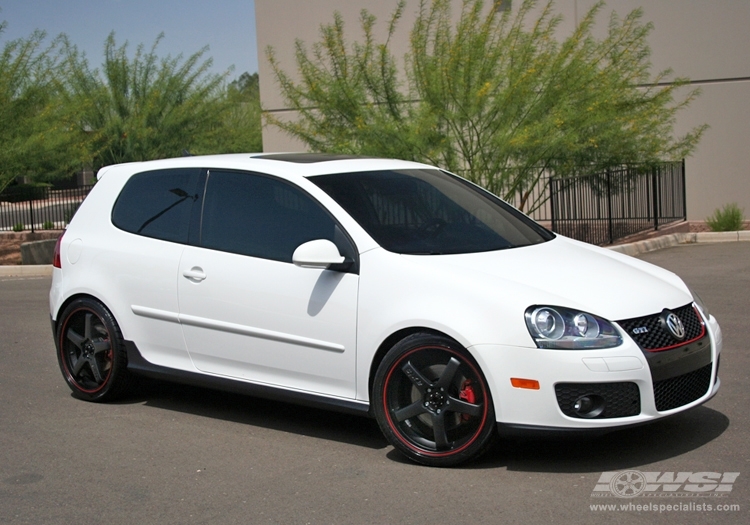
(56,262)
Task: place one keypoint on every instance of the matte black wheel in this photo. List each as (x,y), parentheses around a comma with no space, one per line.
(91,352)
(432,401)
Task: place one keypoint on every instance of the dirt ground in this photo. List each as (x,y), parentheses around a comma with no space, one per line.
(10,244)
(10,251)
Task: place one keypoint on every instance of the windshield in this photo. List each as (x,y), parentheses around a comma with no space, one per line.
(426,212)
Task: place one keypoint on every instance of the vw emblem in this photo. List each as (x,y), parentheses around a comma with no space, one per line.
(673,324)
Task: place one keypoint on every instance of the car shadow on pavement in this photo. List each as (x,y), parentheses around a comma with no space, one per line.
(622,449)
(259,412)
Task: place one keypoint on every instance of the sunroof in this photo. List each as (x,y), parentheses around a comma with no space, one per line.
(307,158)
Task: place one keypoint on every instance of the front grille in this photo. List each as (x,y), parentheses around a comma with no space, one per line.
(655,337)
(620,399)
(681,390)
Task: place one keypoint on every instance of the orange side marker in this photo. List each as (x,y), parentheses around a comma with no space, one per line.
(530,384)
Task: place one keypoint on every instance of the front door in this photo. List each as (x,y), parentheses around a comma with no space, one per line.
(247,312)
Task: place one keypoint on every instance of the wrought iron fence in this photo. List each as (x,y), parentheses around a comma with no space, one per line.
(38,208)
(534,202)
(608,206)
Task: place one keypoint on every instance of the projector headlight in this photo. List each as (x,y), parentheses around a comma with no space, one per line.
(567,329)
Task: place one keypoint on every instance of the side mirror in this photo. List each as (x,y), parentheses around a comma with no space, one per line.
(320,253)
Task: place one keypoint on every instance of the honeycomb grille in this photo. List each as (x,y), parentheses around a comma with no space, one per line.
(681,390)
(620,399)
(656,337)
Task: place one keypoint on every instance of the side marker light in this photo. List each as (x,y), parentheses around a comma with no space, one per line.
(529,384)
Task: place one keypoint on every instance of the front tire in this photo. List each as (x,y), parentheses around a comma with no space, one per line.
(91,351)
(432,402)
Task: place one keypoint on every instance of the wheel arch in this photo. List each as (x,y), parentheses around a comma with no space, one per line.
(394,338)
(66,302)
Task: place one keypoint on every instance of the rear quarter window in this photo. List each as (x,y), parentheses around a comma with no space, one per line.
(158,204)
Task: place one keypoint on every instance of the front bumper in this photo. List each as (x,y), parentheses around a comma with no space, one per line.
(609,373)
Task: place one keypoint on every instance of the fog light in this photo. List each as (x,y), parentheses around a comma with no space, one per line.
(588,406)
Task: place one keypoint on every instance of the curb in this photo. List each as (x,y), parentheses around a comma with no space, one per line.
(667,241)
(30,270)
(633,248)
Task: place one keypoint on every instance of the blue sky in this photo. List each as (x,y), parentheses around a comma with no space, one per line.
(226,26)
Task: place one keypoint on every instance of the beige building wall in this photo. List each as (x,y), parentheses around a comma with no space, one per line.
(706,41)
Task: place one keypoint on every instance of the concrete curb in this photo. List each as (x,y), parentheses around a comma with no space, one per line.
(666,241)
(633,248)
(31,270)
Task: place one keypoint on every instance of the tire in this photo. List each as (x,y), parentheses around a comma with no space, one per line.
(432,401)
(91,352)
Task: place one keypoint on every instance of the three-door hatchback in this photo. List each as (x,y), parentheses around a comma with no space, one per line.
(379,287)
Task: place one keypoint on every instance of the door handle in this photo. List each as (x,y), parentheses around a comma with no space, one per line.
(195,274)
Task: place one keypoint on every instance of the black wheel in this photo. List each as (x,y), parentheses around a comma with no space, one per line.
(432,401)
(91,352)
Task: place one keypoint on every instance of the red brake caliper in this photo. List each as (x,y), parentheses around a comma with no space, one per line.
(467,394)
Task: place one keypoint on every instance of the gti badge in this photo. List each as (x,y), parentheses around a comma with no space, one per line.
(673,325)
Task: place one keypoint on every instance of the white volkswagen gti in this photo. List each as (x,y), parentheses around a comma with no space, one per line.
(379,287)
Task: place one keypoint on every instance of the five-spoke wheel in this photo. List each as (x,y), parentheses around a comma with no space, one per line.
(91,351)
(432,401)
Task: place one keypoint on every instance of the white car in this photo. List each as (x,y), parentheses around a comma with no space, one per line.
(380,287)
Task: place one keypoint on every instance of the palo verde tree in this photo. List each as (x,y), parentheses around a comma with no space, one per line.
(144,107)
(35,141)
(496,95)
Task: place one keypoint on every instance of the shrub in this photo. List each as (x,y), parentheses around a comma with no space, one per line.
(727,219)
(25,192)
(19,227)
(48,225)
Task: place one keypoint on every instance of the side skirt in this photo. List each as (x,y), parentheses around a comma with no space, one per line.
(138,365)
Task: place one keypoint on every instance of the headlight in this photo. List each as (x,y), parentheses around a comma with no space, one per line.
(701,305)
(563,328)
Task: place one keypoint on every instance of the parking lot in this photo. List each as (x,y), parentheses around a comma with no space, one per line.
(176,454)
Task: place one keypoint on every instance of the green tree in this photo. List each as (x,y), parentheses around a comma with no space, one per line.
(144,107)
(244,118)
(494,96)
(247,86)
(35,140)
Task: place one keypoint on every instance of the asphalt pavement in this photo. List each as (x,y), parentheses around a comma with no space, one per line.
(175,454)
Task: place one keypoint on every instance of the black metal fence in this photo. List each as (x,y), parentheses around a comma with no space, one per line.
(608,206)
(39,208)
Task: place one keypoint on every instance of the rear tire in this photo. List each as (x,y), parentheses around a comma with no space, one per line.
(432,402)
(91,351)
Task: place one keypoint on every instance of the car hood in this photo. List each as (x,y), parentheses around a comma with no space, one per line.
(565,272)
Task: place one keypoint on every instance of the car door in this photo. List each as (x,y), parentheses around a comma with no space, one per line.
(247,312)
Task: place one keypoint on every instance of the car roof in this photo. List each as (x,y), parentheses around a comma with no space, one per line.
(287,165)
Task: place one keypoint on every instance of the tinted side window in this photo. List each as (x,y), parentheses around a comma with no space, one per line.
(158,204)
(260,216)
